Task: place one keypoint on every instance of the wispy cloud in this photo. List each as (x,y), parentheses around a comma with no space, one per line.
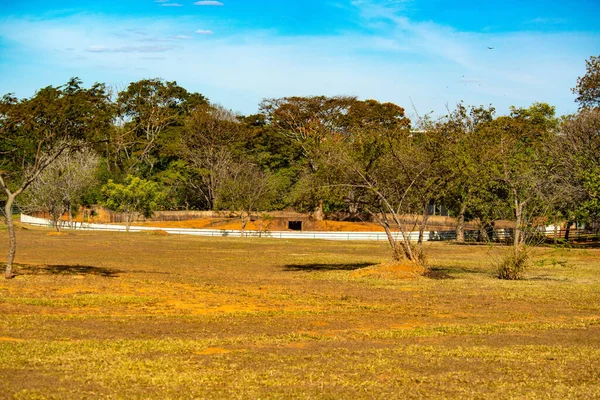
(130,49)
(386,21)
(208,3)
(388,57)
(130,33)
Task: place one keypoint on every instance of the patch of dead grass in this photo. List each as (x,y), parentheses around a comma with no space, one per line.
(404,270)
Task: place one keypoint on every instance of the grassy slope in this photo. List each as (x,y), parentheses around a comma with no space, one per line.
(148,316)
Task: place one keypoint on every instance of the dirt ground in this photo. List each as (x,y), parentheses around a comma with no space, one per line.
(235,224)
(435,223)
(142,315)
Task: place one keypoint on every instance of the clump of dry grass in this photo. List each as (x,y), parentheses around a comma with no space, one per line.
(513,264)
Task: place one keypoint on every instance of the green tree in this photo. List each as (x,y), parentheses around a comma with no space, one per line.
(272,151)
(312,125)
(588,85)
(151,113)
(367,119)
(523,165)
(135,196)
(177,179)
(212,141)
(309,122)
(34,132)
(578,151)
(464,155)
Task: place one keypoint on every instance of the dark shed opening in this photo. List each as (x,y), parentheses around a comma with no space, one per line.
(295,225)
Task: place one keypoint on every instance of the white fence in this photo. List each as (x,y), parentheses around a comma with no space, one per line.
(443,235)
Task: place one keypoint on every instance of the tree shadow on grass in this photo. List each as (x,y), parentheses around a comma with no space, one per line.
(438,274)
(326,267)
(28,269)
(451,269)
(544,278)
(584,245)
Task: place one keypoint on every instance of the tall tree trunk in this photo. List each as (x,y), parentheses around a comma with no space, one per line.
(396,254)
(460,223)
(319,215)
(12,237)
(484,235)
(401,249)
(518,221)
(385,224)
(568,230)
(244,222)
(70,215)
(56,219)
(424,219)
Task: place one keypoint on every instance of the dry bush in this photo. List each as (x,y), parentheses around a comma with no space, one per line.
(512,265)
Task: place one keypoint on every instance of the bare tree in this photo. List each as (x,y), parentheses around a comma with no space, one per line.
(60,187)
(246,189)
(388,164)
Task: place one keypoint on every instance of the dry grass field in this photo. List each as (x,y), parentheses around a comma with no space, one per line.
(137,316)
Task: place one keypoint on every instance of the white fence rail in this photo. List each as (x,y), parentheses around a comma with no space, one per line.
(433,235)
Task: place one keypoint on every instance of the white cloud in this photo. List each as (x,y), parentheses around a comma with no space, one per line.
(208,3)
(204,32)
(397,61)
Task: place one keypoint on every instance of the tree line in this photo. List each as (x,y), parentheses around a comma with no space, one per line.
(156,145)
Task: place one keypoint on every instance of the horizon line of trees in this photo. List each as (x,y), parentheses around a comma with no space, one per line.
(157,145)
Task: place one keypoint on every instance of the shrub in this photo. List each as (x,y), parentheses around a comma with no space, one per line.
(513,264)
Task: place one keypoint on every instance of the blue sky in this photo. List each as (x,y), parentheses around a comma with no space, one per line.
(423,55)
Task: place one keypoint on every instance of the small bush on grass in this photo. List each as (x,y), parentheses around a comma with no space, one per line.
(512,265)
